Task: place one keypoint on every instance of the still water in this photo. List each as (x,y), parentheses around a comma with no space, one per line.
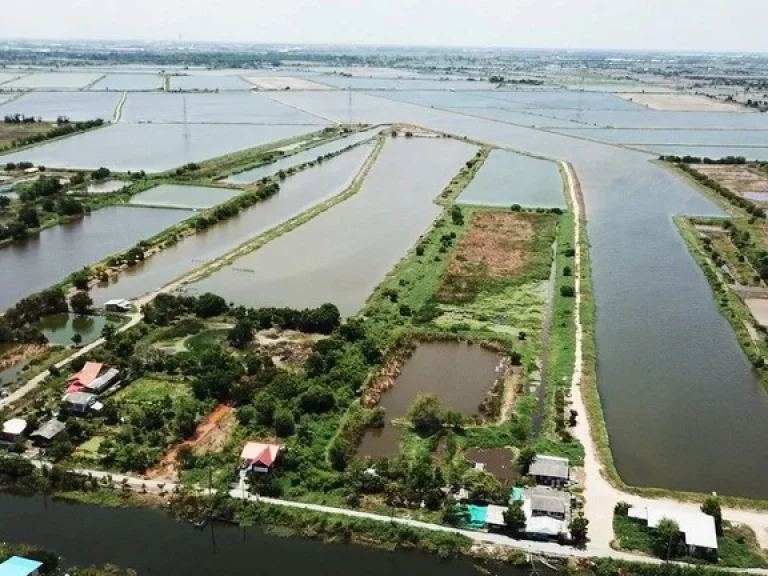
(154,544)
(297,194)
(47,258)
(342,254)
(60,328)
(186,197)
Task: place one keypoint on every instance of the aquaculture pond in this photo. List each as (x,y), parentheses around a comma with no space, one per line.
(129,82)
(725,138)
(106,186)
(208,82)
(677,391)
(153,147)
(250,176)
(60,328)
(151,542)
(76,106)
(459,373)
(47,258)
(297,194)
(188,197)
(507,178)
(342,254)
(55,80)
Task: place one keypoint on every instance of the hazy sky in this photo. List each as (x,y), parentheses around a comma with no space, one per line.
(715,25)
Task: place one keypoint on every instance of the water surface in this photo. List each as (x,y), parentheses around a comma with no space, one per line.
(177,196)
(297,194)
(47,258)
(507,178)
(60,328)
(342,254)
(76,106)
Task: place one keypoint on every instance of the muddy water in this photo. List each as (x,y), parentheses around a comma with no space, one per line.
(60,328)
(47,258)
(296,195)
(460,374)
(684,408)
(342,254)
(151,543)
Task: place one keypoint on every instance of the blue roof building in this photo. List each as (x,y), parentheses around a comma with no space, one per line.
(18,566)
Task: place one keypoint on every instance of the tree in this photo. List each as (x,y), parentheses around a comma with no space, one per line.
(29,217)
(241,334)
(578,529)
(425,414)
(210,305)
(457,217)
(712,508)
(567,271)
(108,331)
(4,202)
(567,291)
(525,459)
(666,538)
(284,424)
(483,488)
(81,303)
(77,339)
(80,279)
(514,516)
(100,174)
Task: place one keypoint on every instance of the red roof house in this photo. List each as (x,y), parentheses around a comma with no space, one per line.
(260,456)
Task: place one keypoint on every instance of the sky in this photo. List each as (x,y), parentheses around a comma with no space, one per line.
(691,25)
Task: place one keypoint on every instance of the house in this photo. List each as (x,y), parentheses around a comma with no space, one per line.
(79,402)
(698,529)
(547,512)
(18,566)
(121,306)
(550,470)
(259,456)
(12,430)
(494,517)
(94,377)
(47,431)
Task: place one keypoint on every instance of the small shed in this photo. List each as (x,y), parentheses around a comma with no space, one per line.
(79,402)
(119,305)
(48,431)
(13,430)
(550,470)
(20,566)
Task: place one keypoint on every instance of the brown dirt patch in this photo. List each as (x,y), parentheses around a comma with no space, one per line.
(289,349)
(495,246)
(739,179)
(19,353)
(498,461)
(11,132)
(210,435)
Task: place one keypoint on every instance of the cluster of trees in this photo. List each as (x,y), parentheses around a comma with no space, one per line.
(16,325)
(20,119)
(234,206)
(428,417)
(63,128)
(699,160)
(166,308)
(743,203)
(743,240)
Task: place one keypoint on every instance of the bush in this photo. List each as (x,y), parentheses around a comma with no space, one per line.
(567,291)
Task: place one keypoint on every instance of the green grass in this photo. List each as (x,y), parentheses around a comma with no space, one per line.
(206,340)
(152,390)
(632,535)
(89,450)
(738,547)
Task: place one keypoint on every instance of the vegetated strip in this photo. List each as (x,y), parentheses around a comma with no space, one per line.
(60,132)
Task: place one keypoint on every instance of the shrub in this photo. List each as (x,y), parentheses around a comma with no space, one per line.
(567,291)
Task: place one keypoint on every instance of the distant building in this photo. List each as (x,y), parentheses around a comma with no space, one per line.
(94,377)
(12,430)
(80,402)
(18,566)
(259,456)
(550,470)
(47,431)
(121,306)
(698,529)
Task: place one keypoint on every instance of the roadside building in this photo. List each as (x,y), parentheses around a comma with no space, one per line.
(259,456)
(550,470)
(47,431)
(547,512)
(121,306)
(19,566)
(95,377)
(698,529)
(80,402)
(13,431)
(494,517)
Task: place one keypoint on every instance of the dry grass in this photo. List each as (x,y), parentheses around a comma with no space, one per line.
(284,82)
(496,246)
(682,103)
(737,178)
(11,132)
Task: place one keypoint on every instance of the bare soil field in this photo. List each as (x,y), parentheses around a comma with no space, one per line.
(739,179)
(287,348)
(681,102)
(210,436)
(284,83)
(496,246)
(759,309)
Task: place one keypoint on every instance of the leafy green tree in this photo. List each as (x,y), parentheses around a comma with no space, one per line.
(317,400)
(81,303)
(108,331)
(483,488)
(241,334)
(525,459)
(457,217)
(210,305)
(77,339)
(29,217)
(711,507)
(80,279)
(514,516)
(666,539)
(578,529)
(426,414)
(284,424)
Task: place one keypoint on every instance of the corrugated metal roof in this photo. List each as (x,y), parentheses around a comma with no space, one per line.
(544,525)
(549,466)
(18,566)
(698,528)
